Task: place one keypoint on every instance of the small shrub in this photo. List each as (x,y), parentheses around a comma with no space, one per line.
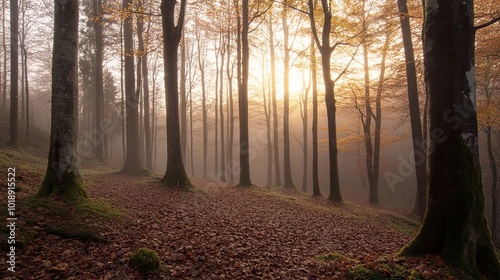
(145,260)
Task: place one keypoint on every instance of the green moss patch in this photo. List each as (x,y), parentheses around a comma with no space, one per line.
(145,260)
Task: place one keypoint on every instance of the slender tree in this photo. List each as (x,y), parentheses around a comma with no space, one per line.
(314,81)
(14,74)
(4,49)
(63,173)
(277,169)
(419,151)
(455,224)
(99,96)
(245,180)
(288,182)
(326,51)
(175,175)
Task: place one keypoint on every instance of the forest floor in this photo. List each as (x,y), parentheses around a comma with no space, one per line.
(216,231)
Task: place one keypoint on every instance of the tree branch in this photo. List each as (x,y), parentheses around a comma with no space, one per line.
(486,24)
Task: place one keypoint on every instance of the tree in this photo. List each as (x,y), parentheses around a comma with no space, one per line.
(132,164)
(288,182)
(175,174)
(326,51)
(4,49)
(455,224)
(99,97)
(14,74)
(314,80)
(274,105)
(416,127)
(63,173)
(245,180)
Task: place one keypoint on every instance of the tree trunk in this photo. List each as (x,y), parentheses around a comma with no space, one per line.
(288,183)
(315,176)
(25,51)
(147,115)
(14,74)
(304,132)
(63,173)
(277,169)
(122,91)
(175,175)
(326,53)
(267,111)
(455,224)
(4,48)
(99,96)
(419,145)
(245,180)
(221,109)
(230,115)
(201,65)
(132,164)
(183,101)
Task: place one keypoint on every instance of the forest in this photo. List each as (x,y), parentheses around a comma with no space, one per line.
(252,139)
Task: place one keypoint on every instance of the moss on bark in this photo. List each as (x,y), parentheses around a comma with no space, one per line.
(69,186)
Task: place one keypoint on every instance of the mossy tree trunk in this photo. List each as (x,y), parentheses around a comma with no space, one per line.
(455,224)
(63,175)
(175,174)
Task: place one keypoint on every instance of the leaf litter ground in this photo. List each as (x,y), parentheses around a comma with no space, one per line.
(217,232)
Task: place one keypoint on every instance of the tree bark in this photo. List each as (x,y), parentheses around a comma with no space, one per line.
(419,151)
(277,169)
(62,177)
(4,48)
(175,175)
(132,164)
(14,74)
(288,181)
(99,96)
(326,53)
(245,180)
(455,224)
(315,176)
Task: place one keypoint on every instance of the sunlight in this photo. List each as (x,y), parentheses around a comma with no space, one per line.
(297,83)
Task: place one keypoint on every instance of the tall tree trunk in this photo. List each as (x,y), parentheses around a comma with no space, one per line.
(14,74)
(245,180)
(4,48)
(25,52)
(288,183)
(277,168)
(216,110)
(419,145)
(132,164)
(201,65)
(304,132)
(144,73)
(326,52)
(315,176)
(267,115)
(175,175)
(221,109)
(63,173)
(122,91)
(183,104)
(230,116)
(455,224)
(99,95)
